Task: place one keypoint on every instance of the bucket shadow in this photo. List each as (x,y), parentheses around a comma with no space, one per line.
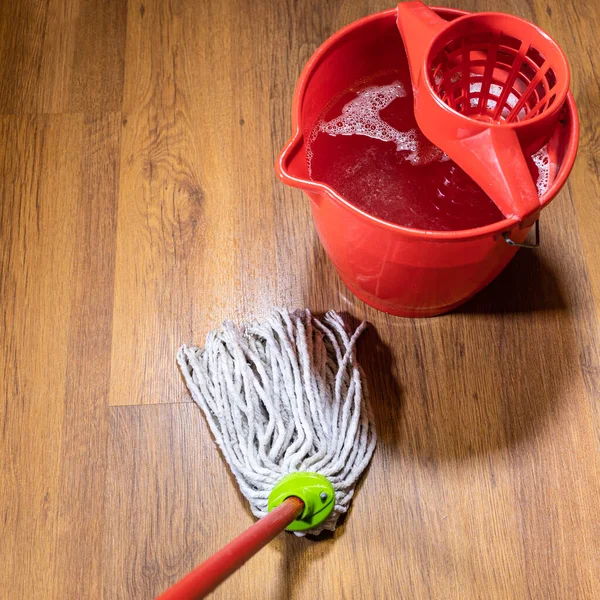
(528,284)
(490,405)
(486,377)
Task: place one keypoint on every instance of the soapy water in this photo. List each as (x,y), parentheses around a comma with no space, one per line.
(367,146)
(361,116)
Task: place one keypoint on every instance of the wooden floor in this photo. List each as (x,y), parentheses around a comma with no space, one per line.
(139,209)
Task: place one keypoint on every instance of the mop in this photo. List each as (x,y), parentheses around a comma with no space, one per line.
(286,404)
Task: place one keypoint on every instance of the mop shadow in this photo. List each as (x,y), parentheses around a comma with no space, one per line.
(297,555)
(385,394)
(300,553)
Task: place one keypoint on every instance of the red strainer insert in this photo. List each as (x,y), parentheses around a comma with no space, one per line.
(488,88)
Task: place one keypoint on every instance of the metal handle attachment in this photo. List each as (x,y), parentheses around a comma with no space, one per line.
(535,244)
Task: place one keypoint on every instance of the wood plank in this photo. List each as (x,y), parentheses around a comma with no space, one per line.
(61,56)
(55,222)
(78,557)
(37,254)
(572,25)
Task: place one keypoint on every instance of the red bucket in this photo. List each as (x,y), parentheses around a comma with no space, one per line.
(399,270)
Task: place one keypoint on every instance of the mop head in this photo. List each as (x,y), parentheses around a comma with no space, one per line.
(283,396)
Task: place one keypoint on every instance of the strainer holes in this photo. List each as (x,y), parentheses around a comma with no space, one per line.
(505,112)
(512,100)
(436,75)
(504,67)
(520,85)
(531,101)
(505,56)
(456,76)
(526,72)
(510,42)
(454,57)
(458,93)
(491,103)
(534,55)
(478,57)
(454,45)
(497,86)
(541,90)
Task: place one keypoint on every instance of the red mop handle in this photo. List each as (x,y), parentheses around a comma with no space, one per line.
(214,570)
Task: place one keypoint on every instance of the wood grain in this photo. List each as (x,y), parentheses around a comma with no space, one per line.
(61,56)
(139,209)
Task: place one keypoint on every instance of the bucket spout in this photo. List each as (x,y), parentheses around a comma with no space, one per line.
(290,166)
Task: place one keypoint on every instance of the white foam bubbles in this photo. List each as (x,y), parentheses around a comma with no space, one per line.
(542,161)
(361,116)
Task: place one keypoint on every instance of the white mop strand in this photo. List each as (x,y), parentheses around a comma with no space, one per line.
(282,396)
